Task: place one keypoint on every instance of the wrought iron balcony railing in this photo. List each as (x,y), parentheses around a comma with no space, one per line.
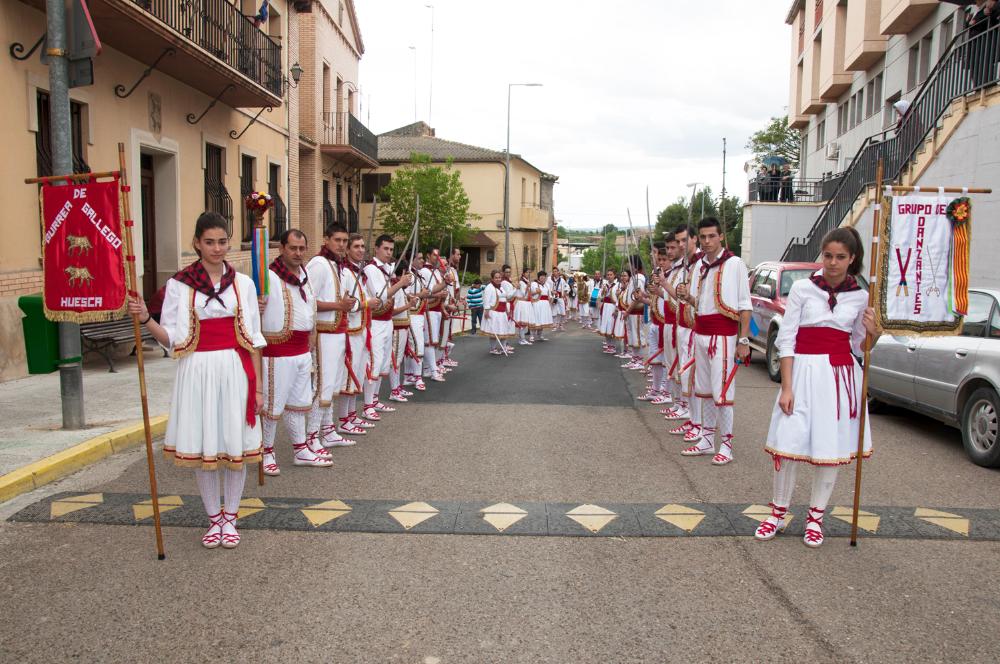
(345,129)
(221,29)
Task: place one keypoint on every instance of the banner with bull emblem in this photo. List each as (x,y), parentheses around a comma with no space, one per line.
(83,260)
(924,276)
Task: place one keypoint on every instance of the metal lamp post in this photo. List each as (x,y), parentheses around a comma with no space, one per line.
(506,175)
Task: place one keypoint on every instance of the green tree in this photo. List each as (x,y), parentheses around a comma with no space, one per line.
(444,205)
(561,232)
(776,139)
(731,214)
(604,254)
(609,229)
(670,218)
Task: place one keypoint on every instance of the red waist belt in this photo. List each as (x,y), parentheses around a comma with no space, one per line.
(298,344)
(385,315)
(544,298)
(682,318)
(716,325)
(220,334)
(500,308)
(825,341)
(608,300)
(436,308)
(669,318)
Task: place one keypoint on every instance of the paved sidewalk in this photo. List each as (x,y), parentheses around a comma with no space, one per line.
(31,413)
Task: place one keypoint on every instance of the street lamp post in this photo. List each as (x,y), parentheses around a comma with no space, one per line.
(506,175)
(414,49)
(430,92)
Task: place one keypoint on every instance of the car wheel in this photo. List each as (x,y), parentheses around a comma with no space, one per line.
(771,357)
(981,429)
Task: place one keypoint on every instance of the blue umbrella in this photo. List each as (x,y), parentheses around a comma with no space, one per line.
(774,160)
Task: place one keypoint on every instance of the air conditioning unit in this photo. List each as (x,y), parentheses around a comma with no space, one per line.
(499,223)
(833,151)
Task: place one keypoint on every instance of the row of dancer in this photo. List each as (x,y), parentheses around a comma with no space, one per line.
(525,309)
(699,305)
(325,332)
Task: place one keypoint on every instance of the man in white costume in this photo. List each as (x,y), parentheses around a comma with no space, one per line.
(287,321)
(381,294)
(357,348)
(720,292)
(686,409)
(332,306)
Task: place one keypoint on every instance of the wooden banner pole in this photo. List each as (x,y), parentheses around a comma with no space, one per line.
(872,286)
(140,364)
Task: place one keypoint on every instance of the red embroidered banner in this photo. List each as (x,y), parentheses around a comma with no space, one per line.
(83,258)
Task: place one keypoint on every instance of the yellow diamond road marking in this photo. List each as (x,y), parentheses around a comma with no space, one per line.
(760,512)
(503,515)
(144,509)
(72,504)
(592,517)
(956,523)
(866,520)
(249,507)
(325,512)
(412,514)
(683,517)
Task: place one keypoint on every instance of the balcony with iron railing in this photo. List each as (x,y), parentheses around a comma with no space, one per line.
(328,217)
(772,189)
(215,47)
(278,217)
(968,65)
(349,140)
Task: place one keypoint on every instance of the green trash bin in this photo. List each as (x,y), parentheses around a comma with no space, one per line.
(41,336)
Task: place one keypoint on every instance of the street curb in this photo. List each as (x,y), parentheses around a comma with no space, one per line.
(70,460)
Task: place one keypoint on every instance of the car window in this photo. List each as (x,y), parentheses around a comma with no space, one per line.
(995,324)
(789,277)
(980,305)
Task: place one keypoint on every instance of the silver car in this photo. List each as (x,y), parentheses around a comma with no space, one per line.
(952,379)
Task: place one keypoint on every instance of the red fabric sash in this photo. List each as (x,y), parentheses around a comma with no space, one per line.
(825,341)
(682,316)
(669,318)
(385,315)
(220,334)
(545,298)
(836,344)
(298,344)
(608,300)
(716,325)
(501,308)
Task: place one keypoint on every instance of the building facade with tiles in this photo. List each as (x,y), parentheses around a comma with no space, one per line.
(185,154)
(481,170)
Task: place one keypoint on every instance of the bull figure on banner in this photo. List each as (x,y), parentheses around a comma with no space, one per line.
(80,275)
(79,242)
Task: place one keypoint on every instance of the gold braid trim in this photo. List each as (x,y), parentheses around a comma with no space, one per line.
(187,346)
(286,330)
(726,311)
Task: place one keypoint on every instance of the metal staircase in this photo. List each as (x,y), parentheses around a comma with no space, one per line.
(968,65)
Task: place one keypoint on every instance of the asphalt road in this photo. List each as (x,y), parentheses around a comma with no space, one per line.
(556,426)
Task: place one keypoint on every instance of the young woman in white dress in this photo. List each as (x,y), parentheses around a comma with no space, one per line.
(541,298)
(816,416)
(211,323)
(496,324)
(607,308)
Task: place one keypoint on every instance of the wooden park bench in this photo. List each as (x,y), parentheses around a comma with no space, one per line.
(104,338)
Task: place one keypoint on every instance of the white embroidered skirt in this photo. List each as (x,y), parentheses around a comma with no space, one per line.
(208,413)
(821,429)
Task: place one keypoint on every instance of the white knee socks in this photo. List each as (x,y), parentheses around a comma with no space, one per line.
(784,483)
(709,418)
(295,425)
(824,478)
(233,481)
(725,420)
(658,382)
(208,487)
(344,405)
(316,416)
(695,406)
(270,430)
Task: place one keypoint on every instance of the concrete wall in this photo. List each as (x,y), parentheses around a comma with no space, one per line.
(767,228)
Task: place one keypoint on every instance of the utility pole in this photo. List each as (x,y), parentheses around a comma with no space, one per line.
(70,365)
(722,200)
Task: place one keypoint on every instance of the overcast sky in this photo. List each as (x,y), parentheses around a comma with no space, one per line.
(635,92)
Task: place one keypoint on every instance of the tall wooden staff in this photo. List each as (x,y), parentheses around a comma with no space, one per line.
(140,362)
(862,418)
(257,203)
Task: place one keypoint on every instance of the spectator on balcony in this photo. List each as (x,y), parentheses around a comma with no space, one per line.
(787,195)
(983,47)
